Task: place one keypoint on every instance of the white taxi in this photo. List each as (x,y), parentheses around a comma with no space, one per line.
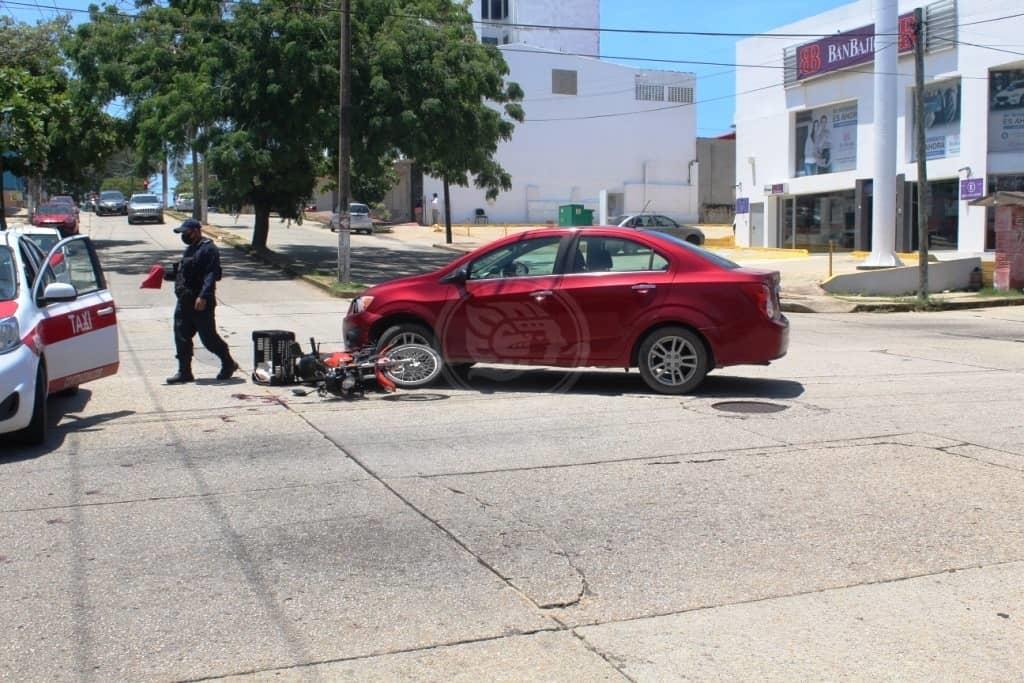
(58,328)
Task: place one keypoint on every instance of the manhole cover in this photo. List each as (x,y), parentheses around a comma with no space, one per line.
(748,407)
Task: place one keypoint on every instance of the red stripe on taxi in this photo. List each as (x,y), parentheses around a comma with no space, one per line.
(8,308)
(62,327)
(62,383)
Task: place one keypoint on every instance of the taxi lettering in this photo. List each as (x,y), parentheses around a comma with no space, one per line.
(81,322)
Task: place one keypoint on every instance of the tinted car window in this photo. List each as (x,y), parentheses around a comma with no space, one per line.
(665,222)
(8,282)
(112,195)
(704,254)
(358,208)
(44,242)
(528,257)
(145,199)
(616,255)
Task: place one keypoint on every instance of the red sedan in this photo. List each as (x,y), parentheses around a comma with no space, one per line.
(62,216)
(585,297)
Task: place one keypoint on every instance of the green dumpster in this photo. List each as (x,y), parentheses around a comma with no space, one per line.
(574,214)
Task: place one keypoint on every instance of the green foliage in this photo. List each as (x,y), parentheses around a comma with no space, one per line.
(126,185)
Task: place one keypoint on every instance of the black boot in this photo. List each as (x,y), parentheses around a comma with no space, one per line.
(182,376)
(227,368)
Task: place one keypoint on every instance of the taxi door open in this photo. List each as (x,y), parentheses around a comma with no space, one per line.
(78,331)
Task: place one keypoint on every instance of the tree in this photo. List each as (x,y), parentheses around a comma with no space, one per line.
(33,98)
(432,90)
(280,96)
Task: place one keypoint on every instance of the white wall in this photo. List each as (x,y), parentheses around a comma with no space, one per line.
(764,119)
(643,155)
(582,13)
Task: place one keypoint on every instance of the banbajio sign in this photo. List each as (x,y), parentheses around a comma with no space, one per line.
(848,49)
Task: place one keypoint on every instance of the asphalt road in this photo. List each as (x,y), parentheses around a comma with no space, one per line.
(529,526)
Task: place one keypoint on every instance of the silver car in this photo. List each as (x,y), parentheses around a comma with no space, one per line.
(359,220)
(654,221)
(145,207)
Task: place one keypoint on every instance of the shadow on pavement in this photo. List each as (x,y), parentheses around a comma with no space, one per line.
(60,408)
(370,265)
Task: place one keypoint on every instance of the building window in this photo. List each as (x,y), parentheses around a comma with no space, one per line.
(494,9)
(489,40)
(563,82)
(679,94)
(650,92)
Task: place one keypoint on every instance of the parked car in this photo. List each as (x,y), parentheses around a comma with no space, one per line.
(111,203)
(654,221)
(605,297)
(59,216)
(89,203)
(64,199)
(58,328)
(145,207)
(184,202)
(360,220)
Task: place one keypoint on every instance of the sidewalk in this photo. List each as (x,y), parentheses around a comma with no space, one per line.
(304,251)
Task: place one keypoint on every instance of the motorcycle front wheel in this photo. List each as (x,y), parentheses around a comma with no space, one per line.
(415,365)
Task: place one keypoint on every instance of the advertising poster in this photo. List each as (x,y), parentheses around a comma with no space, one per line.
(826,140)
(1006,111)
(941,121)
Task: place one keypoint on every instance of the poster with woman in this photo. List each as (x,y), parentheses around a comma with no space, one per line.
(826,140)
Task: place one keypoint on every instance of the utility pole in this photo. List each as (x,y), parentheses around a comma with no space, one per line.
(923,193)
(344,141)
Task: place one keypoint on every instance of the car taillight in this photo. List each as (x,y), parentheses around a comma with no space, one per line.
(766,298)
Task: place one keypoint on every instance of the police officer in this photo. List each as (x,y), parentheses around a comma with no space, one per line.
(195,284)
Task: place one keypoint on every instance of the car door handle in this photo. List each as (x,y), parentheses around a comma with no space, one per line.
(105,311)
(542,294)
(644,288)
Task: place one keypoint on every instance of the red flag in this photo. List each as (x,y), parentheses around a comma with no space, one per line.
(155,279)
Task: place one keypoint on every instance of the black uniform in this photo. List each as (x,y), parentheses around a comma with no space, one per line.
(197,276)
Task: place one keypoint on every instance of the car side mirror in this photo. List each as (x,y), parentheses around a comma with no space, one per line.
(59,292)
(456,277)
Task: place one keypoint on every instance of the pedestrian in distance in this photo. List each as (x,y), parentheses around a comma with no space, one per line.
(824,145)
(195,283)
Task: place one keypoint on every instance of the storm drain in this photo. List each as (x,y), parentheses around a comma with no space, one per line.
(748,407)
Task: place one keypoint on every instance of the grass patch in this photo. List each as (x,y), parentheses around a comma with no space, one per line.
(1001,293)
(329,283)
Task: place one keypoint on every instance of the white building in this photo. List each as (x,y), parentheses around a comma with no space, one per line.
(593,129)
(501,22)
(798,187)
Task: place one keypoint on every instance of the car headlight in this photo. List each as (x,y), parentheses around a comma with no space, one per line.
(10,336)
(360,304)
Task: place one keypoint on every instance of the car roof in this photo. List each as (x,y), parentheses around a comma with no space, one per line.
(27,229)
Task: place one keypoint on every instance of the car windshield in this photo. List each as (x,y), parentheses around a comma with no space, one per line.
(703,253)
(145,198)
(50,209)
(358,208)
(7,281)
(615,220)
(112,195)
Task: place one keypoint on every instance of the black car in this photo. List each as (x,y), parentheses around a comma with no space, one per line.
(112,203)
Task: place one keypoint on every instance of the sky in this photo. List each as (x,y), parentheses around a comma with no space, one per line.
(716,85)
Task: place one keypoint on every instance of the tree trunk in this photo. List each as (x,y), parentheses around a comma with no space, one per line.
(447,213)
(3,196)
(205,191)
(163,178)
(195,184)
(261,228)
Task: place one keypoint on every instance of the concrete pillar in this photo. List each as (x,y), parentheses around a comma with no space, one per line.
(602,207)
(883,215)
